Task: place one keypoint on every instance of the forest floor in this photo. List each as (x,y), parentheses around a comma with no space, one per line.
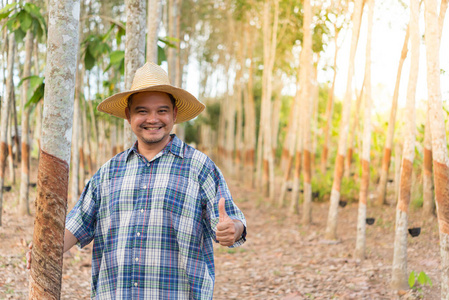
(280,260)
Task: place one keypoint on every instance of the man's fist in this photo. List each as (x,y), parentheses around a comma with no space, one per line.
(226,228)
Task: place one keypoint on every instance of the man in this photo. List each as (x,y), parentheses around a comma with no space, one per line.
(154,209)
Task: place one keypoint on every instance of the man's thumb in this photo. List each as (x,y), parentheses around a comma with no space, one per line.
(221,210)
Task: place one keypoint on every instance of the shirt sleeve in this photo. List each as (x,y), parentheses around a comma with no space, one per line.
(213,188)
(81,221)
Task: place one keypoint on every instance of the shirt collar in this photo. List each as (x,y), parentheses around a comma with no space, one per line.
(175,146)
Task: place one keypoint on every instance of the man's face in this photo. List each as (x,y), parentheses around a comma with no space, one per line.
(151,116)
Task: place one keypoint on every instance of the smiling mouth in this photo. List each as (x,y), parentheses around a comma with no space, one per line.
(153,128)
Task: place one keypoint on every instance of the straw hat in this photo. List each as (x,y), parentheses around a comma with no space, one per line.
(151,77)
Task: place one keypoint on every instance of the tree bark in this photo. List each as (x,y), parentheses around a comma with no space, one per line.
(399,278)
(382,188)
(53,172)
(353,132)
(305,77)
(134,52)
(24,207)
(428,198)
(331,228)
(329,110)
(154,19)
(5,117)
(439,142)
(364,184)
(249,131)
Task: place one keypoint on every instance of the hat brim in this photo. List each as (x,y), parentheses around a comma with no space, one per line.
(188,106)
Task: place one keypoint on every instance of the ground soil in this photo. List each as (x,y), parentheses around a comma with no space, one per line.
(280,260)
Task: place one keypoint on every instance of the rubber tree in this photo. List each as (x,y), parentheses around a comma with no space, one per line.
(428,199)
(5,116)
(382,187)
(25,127)
(134,51)
(439,140)
(399,278)
(364,184)
(306,76)
(331,228)
(53,171)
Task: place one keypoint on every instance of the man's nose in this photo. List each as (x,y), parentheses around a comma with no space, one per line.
(152,117)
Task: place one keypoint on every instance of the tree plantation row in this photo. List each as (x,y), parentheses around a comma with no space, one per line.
(60,59)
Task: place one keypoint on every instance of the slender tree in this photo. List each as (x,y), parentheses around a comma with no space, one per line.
(25,127)
(249,130)
(5,116)
(154,19)
(399,278)
(439,142)
(134,51)
(53,172)
(382,188)
(364,184)
(331,228)
(307,100)
(428,200)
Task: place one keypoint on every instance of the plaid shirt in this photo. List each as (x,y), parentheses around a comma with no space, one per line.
(152,223)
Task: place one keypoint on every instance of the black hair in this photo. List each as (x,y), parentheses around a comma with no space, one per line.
(172,99)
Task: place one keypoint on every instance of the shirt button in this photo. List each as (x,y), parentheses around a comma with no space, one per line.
(144,187)
(141,210)
(135,283)
(137,259)
(148,165)
(138,234)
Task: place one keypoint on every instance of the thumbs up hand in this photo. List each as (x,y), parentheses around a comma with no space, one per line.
(226,228)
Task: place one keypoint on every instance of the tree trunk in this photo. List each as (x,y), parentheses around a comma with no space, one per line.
(439,142)
(53,172)
(5,117)
(364,184)
(291,140)
(154,19)
(399,278)
(305,77)
(428,200)
(353,132)
(134,52)
(24,207)
(329,111)
(331,228)
(270,40)
(250,111)
(382,188)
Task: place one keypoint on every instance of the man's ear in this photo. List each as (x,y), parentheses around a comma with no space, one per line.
(128,115)
(175,114)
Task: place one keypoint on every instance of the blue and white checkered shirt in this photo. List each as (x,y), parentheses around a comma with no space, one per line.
(152,223)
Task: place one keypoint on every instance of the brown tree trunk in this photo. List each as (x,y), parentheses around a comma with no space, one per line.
(382,188)
(331,228)
(439,141)
(307,100)
(53,172)
(428,198)
(5,117)
(399,278)
(365,159)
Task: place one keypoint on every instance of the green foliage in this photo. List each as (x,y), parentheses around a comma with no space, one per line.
(22,17)
(36,91)
(422,278)
(94,47)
